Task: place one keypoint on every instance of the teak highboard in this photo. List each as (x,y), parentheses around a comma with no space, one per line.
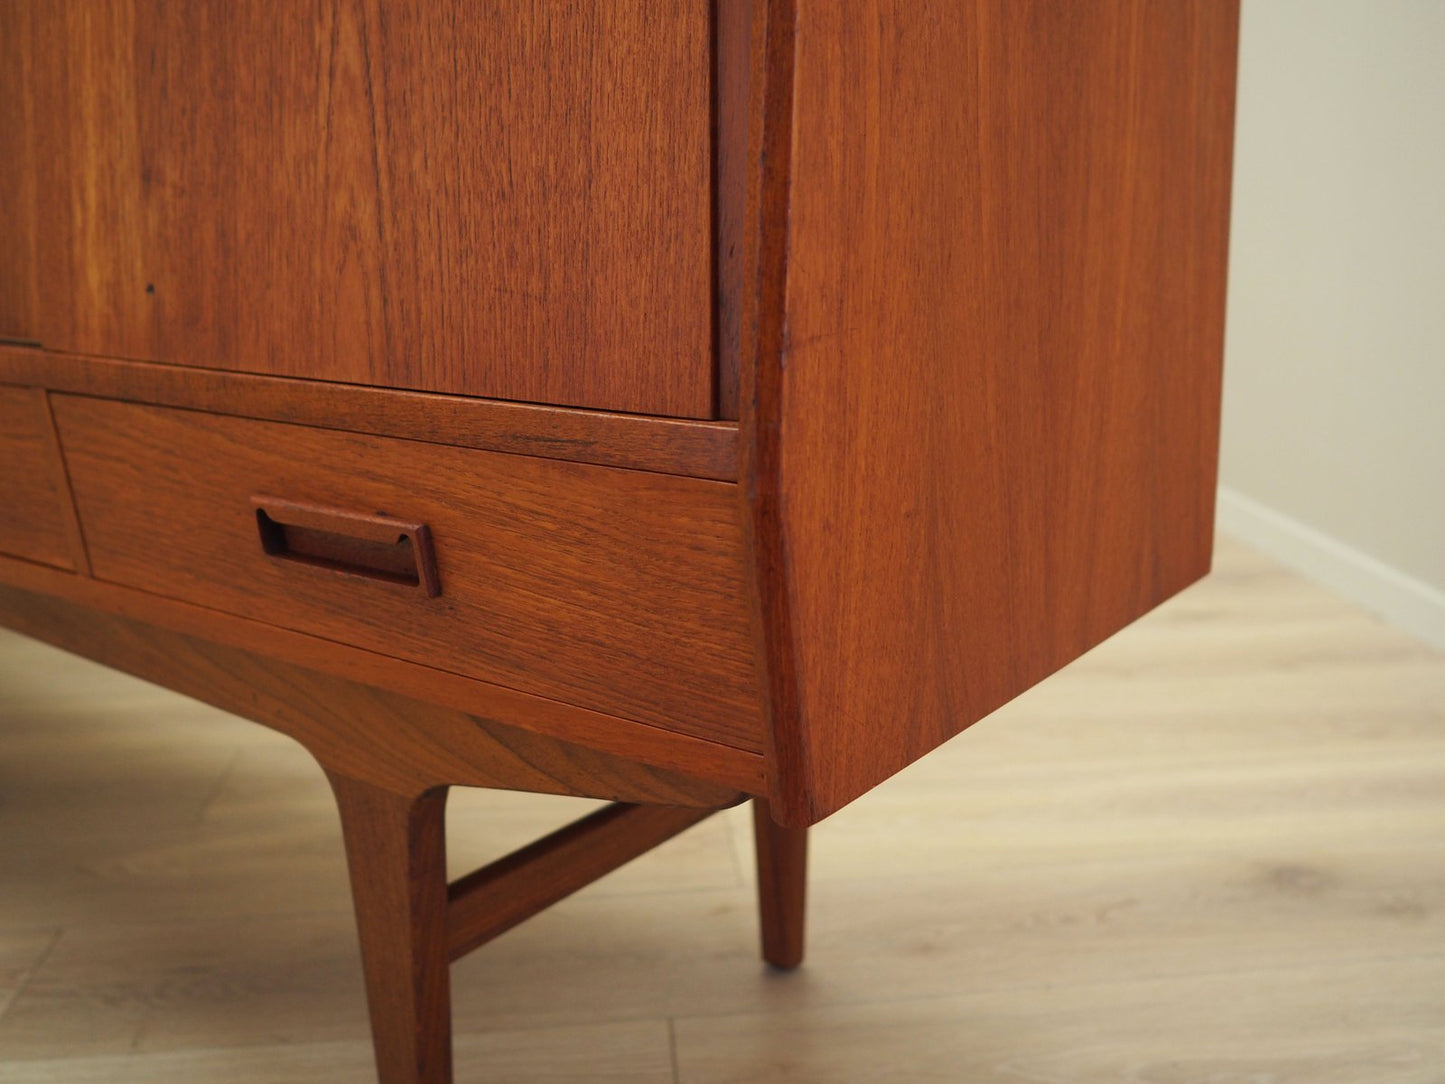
(670,402)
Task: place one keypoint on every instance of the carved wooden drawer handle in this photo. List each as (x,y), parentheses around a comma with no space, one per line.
(375,546)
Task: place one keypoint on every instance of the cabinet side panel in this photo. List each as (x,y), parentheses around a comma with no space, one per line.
(510,201)
(997,395)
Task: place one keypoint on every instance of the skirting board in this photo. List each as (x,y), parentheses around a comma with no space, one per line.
(1402,600)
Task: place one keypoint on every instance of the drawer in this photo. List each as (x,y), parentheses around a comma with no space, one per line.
(34,507)
(615,590)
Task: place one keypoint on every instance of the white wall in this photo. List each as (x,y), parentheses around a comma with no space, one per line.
(1334,419)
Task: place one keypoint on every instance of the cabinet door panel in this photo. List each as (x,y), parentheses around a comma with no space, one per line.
(504,200)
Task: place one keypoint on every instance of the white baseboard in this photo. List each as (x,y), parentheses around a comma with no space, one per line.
(1400,599)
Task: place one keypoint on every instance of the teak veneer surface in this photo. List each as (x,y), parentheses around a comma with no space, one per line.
(699,449)
(18,301)
(668,750)
(983,429)
(618,591)
(508,201)
(734,169)
(36,521)
(340,721)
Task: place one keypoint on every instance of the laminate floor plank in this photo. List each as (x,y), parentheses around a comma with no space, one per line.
(1342,1025)
(1213,850)
(20,953)
(627,1054)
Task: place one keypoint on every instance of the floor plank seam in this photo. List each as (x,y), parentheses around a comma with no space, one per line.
(1054,984)
(29,973)
(219,787)
(672,1050)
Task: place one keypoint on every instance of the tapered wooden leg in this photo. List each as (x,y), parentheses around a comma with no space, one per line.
(782,887)
(396,850)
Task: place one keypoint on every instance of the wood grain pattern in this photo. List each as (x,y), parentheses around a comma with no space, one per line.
(511,202)
(369,734)
(696,449)
(985,418)
(44,596)
(782,856)
(613,590)
(18,300)
(60,482)
(733,165)
(490,901)
(36,519)
(396,851)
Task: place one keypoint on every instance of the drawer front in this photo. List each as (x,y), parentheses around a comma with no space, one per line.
(616,590)
(33,504)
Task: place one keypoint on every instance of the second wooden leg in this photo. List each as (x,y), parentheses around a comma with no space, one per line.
(782,887)
(396,851)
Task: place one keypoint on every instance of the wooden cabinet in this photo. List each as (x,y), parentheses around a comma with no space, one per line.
(675,403)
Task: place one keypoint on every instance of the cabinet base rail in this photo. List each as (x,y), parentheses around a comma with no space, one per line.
(492,900)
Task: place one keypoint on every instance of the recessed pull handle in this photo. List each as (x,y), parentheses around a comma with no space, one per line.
(375,546)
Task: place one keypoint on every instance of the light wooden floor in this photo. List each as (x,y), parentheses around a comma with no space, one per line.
(1212,851)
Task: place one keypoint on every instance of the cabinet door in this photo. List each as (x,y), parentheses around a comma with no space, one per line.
(508,200)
